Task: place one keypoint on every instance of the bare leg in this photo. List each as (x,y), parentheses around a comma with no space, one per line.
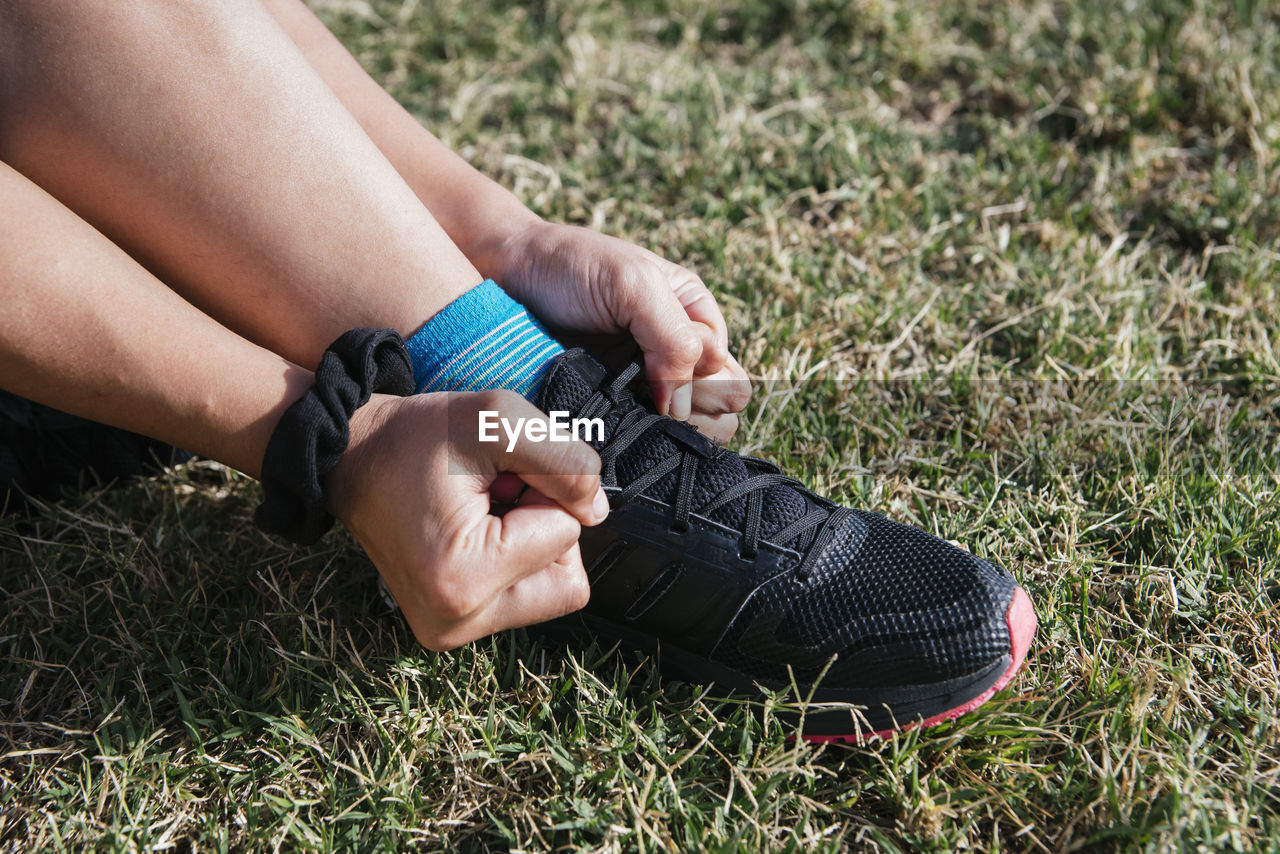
(196,136)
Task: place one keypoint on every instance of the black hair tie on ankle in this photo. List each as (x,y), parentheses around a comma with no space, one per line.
(313,432)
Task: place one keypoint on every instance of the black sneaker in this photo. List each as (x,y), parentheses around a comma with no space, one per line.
(743,577)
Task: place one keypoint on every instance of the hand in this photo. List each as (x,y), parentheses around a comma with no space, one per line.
(416,487)
(585,281)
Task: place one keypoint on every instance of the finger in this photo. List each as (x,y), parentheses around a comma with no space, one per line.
(566,469)
(532,498)
(718,427)
(702,309)
(709,363)
(654,316)
(527,539)
(506,489)
(726,391)
(551,591)
(560,589)
(570,478)
(482,557)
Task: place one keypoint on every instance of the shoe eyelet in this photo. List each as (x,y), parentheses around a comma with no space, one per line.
(678,527)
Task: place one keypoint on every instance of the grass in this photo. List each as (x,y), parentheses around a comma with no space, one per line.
(1013,269)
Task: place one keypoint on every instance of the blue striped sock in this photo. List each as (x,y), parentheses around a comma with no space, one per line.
(484,339)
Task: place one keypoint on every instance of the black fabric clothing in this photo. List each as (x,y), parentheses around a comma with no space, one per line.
(48,454)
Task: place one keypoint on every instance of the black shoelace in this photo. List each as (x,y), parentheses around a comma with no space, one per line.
(808,534)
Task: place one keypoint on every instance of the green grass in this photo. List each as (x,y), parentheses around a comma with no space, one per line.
(1014,267)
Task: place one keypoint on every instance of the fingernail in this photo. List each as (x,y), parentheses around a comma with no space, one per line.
(682,402)
(601,505)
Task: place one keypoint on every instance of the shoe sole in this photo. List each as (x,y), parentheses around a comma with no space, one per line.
(871,717)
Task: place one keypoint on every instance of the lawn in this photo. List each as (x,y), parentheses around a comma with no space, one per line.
(1005,271)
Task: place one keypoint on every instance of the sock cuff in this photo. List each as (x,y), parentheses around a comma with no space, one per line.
(483,339)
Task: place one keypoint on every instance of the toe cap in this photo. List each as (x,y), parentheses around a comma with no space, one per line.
(892,604)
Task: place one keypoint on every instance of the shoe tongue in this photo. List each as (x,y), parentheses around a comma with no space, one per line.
(571,380)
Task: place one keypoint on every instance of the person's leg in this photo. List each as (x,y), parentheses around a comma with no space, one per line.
(197,137)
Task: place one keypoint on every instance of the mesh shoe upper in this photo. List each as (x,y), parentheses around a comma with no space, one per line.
(895,604)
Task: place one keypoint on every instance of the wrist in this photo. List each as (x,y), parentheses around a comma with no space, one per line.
(314,434)
(344,484)
(500,250)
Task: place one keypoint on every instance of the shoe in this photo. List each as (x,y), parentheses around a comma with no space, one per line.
(738,575)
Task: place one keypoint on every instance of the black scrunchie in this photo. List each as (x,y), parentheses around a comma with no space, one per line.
(313,432)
